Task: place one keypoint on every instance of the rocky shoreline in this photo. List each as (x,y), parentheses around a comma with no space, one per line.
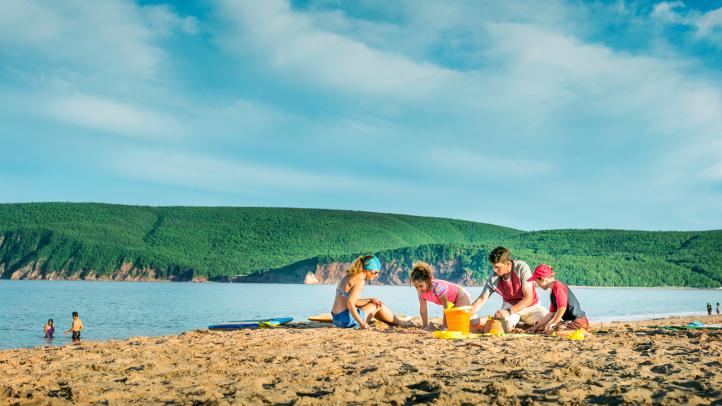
(311,271)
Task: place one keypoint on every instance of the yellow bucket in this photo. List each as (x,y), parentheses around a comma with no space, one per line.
(458,319)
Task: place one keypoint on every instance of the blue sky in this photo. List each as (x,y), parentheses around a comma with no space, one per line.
(529,114)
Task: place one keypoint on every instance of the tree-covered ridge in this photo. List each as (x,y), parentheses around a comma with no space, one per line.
(628,258)
(618,263)
(221,241)
(209,241)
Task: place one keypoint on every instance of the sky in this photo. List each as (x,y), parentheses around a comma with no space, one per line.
(532,114)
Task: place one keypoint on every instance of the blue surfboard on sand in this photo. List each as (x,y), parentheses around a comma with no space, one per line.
(241,324)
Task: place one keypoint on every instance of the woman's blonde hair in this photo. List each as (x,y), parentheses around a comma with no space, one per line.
(422,272)
(358,265)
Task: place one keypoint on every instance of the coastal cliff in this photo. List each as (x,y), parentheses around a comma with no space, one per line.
(126,272)
(393,272)
(305,272)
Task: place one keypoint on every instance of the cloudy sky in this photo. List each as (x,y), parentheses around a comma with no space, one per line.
(529,114)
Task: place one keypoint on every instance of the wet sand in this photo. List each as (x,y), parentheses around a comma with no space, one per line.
(311,363)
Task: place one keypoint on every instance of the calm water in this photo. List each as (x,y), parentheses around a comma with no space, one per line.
(126,309)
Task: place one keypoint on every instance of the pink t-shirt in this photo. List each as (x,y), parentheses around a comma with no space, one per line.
(439,287)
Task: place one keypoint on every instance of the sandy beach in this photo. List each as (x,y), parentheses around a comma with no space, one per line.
(311,363)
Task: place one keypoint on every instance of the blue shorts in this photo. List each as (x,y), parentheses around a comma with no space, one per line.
(346,320)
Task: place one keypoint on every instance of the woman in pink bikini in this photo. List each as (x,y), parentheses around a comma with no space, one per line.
(436,291)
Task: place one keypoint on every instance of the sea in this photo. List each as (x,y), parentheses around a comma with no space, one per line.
(119,310)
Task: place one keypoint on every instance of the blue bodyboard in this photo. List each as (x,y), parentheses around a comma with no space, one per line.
(262,323)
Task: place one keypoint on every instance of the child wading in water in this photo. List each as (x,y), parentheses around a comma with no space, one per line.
(435,290)
(49,330)
(76,328)
(565,313)
(350,311)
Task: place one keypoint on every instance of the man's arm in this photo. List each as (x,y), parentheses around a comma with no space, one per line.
(528,290)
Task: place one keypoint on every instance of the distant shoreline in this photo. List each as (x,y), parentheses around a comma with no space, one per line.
(332,284)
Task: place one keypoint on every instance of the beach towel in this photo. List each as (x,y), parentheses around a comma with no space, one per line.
(695,325)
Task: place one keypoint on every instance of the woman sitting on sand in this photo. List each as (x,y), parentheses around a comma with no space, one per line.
(350,311)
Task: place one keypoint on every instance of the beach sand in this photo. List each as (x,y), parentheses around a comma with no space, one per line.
(310,363)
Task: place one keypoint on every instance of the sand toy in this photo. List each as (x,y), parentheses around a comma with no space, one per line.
(458,319)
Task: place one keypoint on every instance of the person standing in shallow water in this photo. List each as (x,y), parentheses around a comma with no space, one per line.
(718,308)
(351,311)
(49,329)
(76,328)
(709,309)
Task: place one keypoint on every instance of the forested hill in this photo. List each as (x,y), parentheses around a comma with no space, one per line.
(207,241)
(91,241)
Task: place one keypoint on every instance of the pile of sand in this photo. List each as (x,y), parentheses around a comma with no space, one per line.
(310,364)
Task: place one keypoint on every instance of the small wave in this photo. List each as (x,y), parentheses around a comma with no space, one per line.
(645,316)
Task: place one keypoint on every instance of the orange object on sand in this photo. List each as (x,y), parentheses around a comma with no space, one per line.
(458,319)
(322,318)
(492,325)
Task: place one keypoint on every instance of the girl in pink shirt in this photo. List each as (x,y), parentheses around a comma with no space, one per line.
(436,291)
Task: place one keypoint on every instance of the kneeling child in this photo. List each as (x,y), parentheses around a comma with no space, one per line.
(565,314)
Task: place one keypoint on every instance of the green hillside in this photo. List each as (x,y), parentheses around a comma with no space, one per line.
(590,257)
(225,241)
(627,258)
(209,241)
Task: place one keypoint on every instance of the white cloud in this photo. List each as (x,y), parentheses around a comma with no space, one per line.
(112,116)
(710,24)
(457,162)
(714,172)
(666,12)
(108,40)
(165,21)
(99,65)
(707,26)
(213,173)
(105,36)
(553,74)
(290,43)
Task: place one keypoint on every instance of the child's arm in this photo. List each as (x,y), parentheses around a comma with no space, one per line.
(444,305)
(539,325)
(479,302)
(423,311)
(556,319)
